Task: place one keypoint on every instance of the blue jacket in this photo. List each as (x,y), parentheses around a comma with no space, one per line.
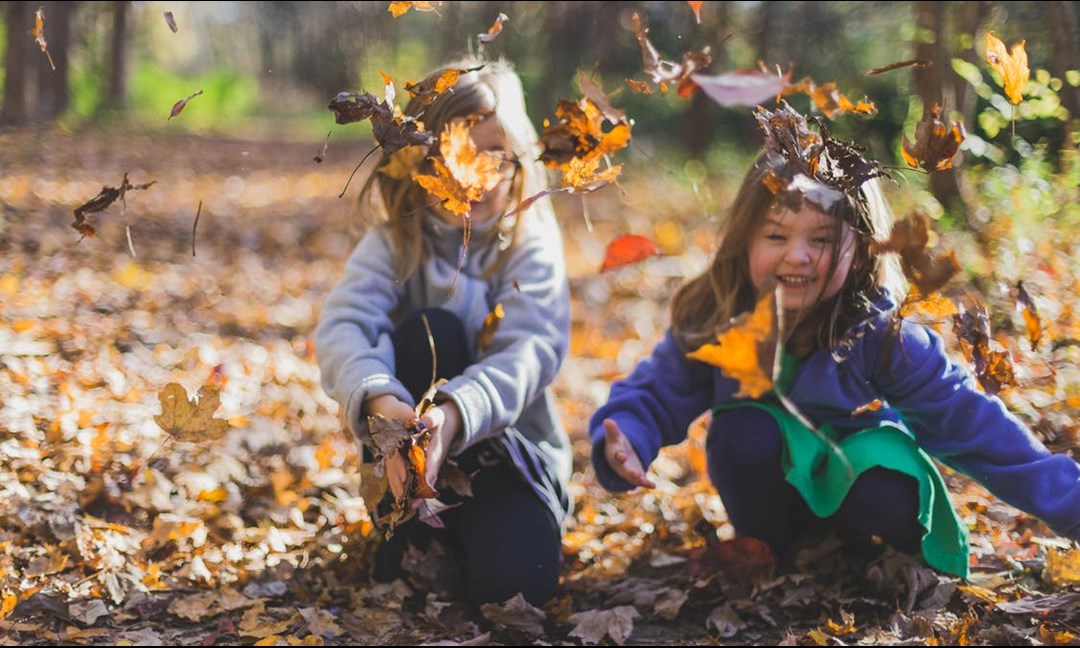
(921,388)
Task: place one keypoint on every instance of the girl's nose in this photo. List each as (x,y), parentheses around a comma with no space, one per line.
(797,252)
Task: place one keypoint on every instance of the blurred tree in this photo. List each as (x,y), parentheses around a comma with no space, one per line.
(33,91)
(1062,20)
(117,95)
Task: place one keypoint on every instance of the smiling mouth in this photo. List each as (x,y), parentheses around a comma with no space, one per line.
(792,281)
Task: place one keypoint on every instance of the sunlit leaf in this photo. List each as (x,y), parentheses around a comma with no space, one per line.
(493,31)
(584,174)
(935,142)
(1063,567)
(491,326)
(464,174)
(627,249)
(180,105)
(38,32)
(434,85)
(190,420)
(695,5)
(401,7)
(745,350)
(579,133)
(829,101)
(404,163)
(1011,66)
(1032,322)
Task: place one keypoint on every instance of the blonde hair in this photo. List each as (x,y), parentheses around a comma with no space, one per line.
(400,205)
(707,303)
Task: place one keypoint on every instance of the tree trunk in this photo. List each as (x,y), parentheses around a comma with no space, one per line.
(54,96)
(118,54)
(700,121)
(969,19)
(1062,22)
(19,16)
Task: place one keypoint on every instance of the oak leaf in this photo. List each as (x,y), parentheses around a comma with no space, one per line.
(190,420)
(935,142)
(746,350)
(1011,66)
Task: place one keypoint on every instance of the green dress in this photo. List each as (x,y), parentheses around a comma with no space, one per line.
(824,472)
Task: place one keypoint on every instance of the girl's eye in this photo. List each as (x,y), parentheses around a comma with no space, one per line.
(822,240)
(775,237)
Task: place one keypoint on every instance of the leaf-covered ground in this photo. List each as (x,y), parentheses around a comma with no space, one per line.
(113,533)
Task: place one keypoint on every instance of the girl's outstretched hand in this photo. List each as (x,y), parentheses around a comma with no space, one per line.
(622,457)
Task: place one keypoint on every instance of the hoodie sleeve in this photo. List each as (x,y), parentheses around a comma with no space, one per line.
(974,433)
(654,407)
(530,343)
(352,339)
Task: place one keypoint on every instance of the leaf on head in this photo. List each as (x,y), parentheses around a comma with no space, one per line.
(746,350)
(190,420)
(1011,66)
(434,85)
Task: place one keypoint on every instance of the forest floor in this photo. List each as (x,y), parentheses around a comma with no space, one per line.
(113,533)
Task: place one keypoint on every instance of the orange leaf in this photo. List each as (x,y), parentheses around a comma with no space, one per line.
(464,174)
(399,8)
(495,29)
(696,6)
(745,350)
(579,133)
(190,420)
(829,101)
(434,85)
(639,87)
(664,72)
(935,143)
(627,249)
(581,174)
(491,326)
(1031,315)
(909,238)
(418,460)
(1011,66)
(993,369)
(38,32)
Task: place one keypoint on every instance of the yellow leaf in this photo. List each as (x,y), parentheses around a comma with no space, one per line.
(404,162)
(190,420)
(464,174)
(1063,569)
(8,601)
(273,640)
(9,284)
(581,173)
(744,351)
(1011,66)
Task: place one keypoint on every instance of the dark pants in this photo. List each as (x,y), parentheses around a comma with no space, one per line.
(744,450)
(507,538)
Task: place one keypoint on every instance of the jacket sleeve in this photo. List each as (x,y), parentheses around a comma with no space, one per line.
(654,407)
(529,345)
(974,433)
(352,339)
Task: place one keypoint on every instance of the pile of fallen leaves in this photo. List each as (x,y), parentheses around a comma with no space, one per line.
(172,472)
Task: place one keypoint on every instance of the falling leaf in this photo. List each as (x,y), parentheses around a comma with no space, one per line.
(1032,322)
(829,100)
(695,5)
(190,420)
(495,29)
(491,325)
(639,87)
(321,155)
(463,175)
(594,93)
(627,249)
(745,351)
(171,22)
(579,133)
(935,143)
(403,163)
(664,72)
(584,176)
(434,85)
(1011,66)
(107,196)
(993,369)
(935,305)
(919,63)
(392,131)
(909,238)
(592,626)
(38,32)
(180,105)
(399,7)
(742,87)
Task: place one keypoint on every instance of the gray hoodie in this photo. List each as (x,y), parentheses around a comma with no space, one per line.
(504,393)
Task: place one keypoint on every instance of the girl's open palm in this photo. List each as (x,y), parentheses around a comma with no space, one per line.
(622,457)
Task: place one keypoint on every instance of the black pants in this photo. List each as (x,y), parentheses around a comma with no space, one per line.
(506,537)
(744,448)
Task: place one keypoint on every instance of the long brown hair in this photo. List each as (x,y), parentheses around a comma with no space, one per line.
(707,303)
(399,205)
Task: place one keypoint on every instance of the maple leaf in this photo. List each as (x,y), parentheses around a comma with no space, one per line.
(579,133)
(746,350)
(582,176)
(742,87)
(1011,66)
(171,22)
(38,32)
(493,31)
(664,72)
(464,174)
(435,84)
(993,369)
(1031,315)
(180,105)
(399,8)
(190,420)
(627,249)
(935,143)
(107,196)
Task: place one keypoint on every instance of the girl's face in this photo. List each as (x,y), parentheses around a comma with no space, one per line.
(795,250)
(489,138)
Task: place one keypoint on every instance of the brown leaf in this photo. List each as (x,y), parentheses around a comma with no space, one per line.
(909,239)
(829,100)
(391,130)
(38,32)
(591,626)
(401,7)
(639,87)
(993,369)
(171,22)
(1011,66)
(741,559)
(920,63)
(627,249)
(388,434)
(935,142)
(190,420)
(579,133)
(107,196)
(664,72)
(745,350)
(493,31)
(180,105)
